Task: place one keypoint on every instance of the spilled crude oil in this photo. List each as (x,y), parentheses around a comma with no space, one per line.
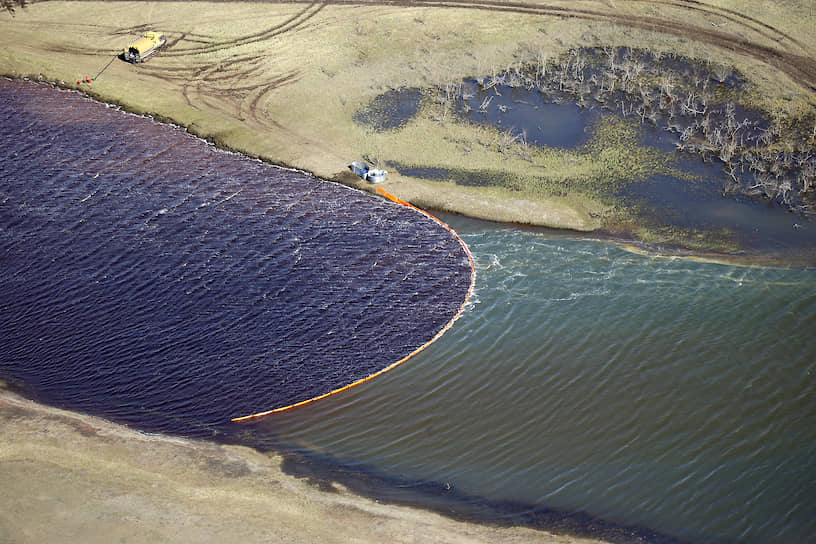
(156,281)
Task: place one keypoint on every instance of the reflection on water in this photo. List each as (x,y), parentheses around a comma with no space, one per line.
(693,198)
(699,203)
(523,111)
(695,194)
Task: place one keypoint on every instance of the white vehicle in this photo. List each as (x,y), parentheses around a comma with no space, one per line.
(371,175)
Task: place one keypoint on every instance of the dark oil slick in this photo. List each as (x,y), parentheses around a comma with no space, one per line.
(154,280)
(588,389)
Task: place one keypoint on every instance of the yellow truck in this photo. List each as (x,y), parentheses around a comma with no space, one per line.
(145,46)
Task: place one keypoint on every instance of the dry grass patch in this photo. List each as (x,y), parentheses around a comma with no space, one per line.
(283,81)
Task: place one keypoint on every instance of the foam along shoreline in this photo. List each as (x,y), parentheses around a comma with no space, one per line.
(74,477)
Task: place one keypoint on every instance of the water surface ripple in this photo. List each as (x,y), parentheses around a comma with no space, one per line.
(650,391)
(660,392)
(154,280)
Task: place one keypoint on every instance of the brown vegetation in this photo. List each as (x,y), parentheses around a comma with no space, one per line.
(765,155)
(282,80)
(9,5)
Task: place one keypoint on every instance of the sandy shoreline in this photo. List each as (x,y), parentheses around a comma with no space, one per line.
(69,477)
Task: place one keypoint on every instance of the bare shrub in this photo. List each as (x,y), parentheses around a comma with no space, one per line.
(9,5)
(721,72)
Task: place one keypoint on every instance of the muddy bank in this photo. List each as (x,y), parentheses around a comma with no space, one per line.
(70,477)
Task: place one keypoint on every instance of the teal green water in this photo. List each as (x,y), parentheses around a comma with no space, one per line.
(644,390)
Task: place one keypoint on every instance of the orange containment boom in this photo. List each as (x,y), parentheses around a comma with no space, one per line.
(420,348)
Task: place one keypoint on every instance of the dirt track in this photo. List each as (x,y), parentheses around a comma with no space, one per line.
(799,64)
(244,84)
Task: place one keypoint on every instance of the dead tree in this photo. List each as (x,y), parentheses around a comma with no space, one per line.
(9,5)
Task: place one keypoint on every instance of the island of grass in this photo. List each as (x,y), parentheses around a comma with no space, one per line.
(458,102)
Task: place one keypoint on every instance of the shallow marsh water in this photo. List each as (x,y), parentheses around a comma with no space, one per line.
(687,197)
(643,390)
(691,198)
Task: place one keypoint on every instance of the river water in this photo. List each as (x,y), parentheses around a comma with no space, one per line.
(177,286)
(648,391)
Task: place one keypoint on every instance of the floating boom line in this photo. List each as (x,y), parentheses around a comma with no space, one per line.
(444,329)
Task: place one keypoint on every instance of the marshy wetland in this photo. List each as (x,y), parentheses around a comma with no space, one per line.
(621,395)
(669,143)
(734,86)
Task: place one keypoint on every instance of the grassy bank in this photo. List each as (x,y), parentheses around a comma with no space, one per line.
(282,81)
